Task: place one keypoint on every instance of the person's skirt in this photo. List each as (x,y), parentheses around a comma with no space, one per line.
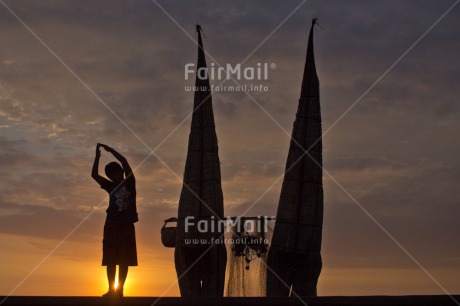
(119,244)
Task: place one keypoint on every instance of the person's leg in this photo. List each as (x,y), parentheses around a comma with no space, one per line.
(109,248)
(122,274)
(111,270)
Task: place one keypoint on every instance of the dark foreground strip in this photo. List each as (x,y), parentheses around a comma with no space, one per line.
(170,301)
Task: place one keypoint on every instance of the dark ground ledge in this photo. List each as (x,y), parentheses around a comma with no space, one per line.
(147,301)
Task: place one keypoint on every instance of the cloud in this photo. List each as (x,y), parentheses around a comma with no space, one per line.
(43,221)
(12,155)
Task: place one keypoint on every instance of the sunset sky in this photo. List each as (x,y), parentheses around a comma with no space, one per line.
(74,73)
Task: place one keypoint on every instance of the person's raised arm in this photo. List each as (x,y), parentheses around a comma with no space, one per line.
(122,159)
(95,171)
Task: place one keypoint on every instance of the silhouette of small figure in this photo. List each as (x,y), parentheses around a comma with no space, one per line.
(119,243)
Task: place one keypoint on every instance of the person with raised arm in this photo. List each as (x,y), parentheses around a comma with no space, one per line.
(119,242)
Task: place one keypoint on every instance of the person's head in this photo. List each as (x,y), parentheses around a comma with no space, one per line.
(114,171)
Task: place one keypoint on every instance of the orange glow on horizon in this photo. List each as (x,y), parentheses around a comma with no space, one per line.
(156,275)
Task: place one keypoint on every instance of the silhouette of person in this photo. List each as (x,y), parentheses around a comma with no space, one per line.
(119,242)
